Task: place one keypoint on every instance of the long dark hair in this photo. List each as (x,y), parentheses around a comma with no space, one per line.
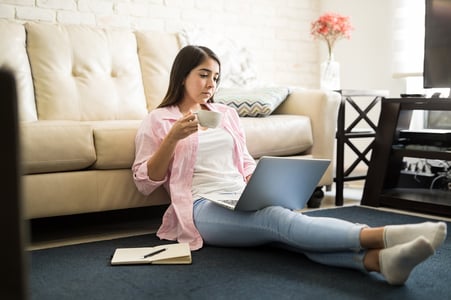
(186,60)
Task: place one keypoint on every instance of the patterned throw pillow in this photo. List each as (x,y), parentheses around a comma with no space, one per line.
(255,102)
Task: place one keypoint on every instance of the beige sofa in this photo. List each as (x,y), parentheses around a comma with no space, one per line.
(82,93)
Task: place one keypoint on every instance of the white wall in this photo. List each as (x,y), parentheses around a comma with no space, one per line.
(275,32)
(366,59)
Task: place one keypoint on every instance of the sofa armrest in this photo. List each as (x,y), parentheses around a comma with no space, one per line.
(322,108)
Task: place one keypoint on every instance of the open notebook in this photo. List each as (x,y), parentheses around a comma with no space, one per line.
(179,253)
(276,181)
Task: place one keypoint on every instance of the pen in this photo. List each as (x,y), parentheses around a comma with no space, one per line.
(155,252)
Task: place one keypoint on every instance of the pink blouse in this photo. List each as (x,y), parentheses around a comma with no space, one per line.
(178,223)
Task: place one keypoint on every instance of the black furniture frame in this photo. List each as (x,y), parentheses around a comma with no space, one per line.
(346,133)
(13,230)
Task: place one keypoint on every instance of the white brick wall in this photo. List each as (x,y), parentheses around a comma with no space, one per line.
(276,33)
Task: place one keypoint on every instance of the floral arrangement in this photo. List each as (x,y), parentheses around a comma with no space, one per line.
(331,27)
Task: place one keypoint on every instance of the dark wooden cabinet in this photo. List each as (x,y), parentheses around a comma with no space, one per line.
(385,184)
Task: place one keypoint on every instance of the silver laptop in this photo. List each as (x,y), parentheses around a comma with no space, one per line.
(276,181)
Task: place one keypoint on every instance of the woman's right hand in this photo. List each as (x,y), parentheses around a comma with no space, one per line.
(184,127)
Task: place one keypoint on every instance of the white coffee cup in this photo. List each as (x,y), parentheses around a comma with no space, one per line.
(208,118)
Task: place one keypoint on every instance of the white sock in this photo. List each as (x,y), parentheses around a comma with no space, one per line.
(434,232)
(397,262)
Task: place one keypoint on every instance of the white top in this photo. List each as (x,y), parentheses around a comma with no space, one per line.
(214,171)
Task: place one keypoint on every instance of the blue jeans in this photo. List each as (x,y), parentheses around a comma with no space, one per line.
(327,241)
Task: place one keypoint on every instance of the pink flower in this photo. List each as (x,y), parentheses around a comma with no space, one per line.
(331,27)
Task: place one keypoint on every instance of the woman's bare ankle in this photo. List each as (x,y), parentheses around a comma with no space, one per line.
(371,260)
(372,238)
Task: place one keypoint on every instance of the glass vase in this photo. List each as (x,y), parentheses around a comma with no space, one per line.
(330,74)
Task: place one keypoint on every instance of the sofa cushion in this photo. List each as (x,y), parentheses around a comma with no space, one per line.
(115,144)
(13,56)
(255,102)
(278,135)
(85,73)
(55,146)
(157,51)
(273,135)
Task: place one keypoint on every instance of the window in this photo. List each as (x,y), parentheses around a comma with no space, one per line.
(408,38)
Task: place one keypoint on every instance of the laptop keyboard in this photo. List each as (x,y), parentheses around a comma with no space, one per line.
(230,202)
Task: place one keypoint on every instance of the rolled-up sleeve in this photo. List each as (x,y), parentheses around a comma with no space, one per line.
(147,141)
(143,183)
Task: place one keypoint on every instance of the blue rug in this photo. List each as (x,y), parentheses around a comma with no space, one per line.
(83,272)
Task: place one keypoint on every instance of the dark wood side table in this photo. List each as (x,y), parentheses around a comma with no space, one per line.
(346,133)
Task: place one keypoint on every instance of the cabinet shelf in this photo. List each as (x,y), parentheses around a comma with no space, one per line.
(436,154)
(360,134)
(432,196)
(421,200)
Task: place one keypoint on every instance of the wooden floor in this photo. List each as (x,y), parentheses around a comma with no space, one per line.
(69,230)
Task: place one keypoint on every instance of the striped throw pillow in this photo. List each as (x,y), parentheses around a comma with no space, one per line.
(255,102)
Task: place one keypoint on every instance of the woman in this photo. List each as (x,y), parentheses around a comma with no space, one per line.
(173,150)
